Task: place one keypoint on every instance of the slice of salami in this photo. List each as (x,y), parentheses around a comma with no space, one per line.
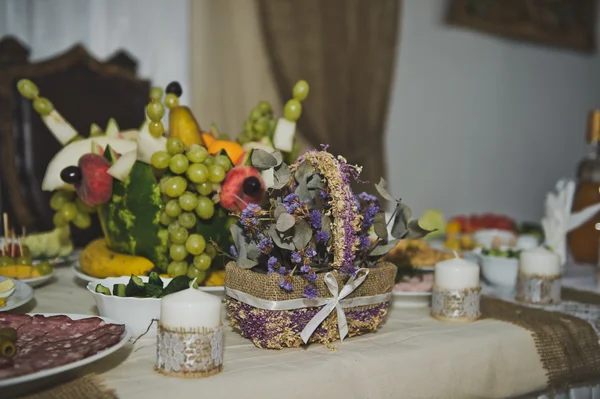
(6,362)
(13,320)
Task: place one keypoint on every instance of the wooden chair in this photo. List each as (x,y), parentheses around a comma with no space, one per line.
(85,91)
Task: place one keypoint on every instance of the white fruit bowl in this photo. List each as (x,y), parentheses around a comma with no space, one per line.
(136,313)
(499,271)
(486,238)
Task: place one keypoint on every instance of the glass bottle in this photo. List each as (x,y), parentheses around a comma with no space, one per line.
(584,242)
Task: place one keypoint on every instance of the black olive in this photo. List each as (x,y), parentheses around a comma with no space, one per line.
(175,88)
(251,185)
(71,175)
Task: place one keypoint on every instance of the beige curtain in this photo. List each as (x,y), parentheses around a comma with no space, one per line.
(346,50)
(230,71)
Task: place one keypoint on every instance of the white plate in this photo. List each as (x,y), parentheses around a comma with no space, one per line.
(23,294)
(46,373)
(411,299)
(80,274)
(37,281)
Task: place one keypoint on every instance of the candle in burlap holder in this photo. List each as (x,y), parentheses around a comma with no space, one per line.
(539,280)
(456,291)
(190,335)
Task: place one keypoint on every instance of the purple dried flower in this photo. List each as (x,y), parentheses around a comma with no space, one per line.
(368,198)
(324,196)
(296,257)
(233,251)
(286,284)
(305,268)
(310,252)
(315,219)
(369,216)
(311,277)
(271,265)
(288,199)
(265,245)
(310,292)
(248,217)
(364,242)
(322,236)
(282,271)
(292,207)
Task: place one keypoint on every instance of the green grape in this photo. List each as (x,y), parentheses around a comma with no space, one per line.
(5,260)
(173,226)
(162,185)
(68,211)
(177,268)
(196,153)
(197,173)
(156,93)
(216,173)
(178,235)
(172,208)
(187,220)
(260,126)
(171,100)
(165,219)
(272,124)
(194,273)
(155,110)
(28,89)
(179,164)
(82,220)
(44,268)
(175,186)
(23,260)
(188,201)
(248,127)
(58,199)
(301,89)
(59,220)
(211,251)
(42,106)
(209,160)
(177,252)
(160,160)
(156,129)
(205,208)
(175,145)
(195,244)
(292,110)
(204,188)
(255,114)
(83,207)
(223,161)
(202,262)
(264,107)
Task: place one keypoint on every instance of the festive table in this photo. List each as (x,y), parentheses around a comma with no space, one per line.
(412,356)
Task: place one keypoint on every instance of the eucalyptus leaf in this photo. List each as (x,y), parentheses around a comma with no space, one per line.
(416,231)
(262,160)
(253,252)
(304,194)
(236,233)
(380,226)
(383,249)
(302,234)
(316,182)
(277,155)
(304,171)
(281,176)
(400,224)
(285,221)
(279,241)
(326,224)
(278,211)
(246,263)
(381,188)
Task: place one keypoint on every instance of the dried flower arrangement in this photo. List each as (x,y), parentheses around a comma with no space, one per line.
(313,226)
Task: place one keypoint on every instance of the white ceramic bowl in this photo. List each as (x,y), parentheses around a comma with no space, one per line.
(485,238)
(136,313)
(500,272)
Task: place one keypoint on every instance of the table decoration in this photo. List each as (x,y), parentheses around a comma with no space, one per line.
(190,335)
(456,291)
(160,196)
(305,268)
(539,278)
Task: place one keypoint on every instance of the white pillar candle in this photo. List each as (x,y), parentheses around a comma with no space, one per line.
(456,274)
(539,261)
(190,308)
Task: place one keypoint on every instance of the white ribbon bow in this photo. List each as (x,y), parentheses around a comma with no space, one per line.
(334,303)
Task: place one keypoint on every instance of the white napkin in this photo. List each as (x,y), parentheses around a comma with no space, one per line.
(559,220)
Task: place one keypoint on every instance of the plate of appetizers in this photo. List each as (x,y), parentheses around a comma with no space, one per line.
(49,344)
(413,291)
(13,293)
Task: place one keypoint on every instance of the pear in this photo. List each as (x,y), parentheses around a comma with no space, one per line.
(183,125)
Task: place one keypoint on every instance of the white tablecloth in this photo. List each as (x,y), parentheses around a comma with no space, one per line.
(412,356)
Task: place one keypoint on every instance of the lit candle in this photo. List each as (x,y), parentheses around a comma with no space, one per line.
(456,274)
(189,309)
(539,261)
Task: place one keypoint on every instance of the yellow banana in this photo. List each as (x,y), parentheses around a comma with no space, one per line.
(97,260)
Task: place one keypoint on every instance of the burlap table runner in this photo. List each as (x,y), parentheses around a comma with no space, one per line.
(88,387)
(575,295)
(568,346)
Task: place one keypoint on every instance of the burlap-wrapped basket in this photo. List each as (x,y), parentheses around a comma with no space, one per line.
(276,329)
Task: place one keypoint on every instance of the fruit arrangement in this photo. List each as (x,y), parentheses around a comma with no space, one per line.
(163,198)
(51,244)
(466,224)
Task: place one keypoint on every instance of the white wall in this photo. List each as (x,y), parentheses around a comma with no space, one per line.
(479,123)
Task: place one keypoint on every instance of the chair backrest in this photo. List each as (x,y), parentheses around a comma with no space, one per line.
(85,91)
